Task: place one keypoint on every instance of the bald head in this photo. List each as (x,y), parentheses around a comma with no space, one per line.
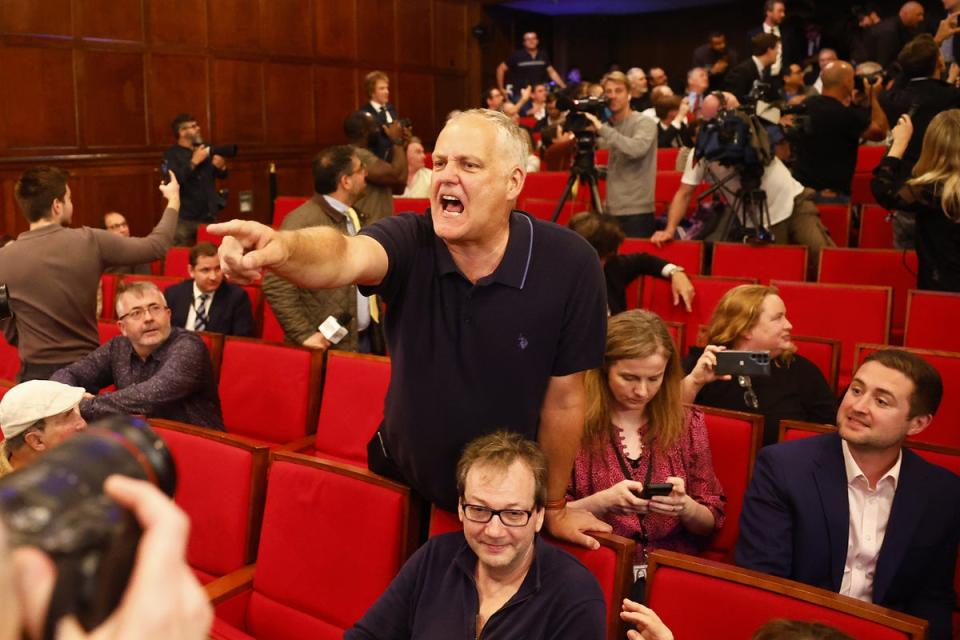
(911,14)
(837,73)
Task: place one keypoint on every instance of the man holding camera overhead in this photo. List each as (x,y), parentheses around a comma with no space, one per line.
(197,169)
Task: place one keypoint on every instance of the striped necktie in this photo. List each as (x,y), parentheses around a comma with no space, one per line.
(200,323)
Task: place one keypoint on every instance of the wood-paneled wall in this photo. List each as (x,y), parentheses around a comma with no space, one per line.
(92,85)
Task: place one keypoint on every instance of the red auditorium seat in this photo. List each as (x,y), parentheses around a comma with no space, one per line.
(860,192)
(163,282)
(351,409)
(9,360)
(944,428)
(176,263)
(269,392)
(666,186)
(543,209)
(869,157)
(611,564)
(836,218)
(764,262)
(282,206)
(108,290)
(272,329)
(205,236)
(735,438)
(876,231)
(221,483)
(107,330)
(685,253)
(882,267)
(667,159)
(602,157)
(410,205)
(545,185)
(823,352)
(743,600)
(709,291)
(847,313)
(676,332)
(931,320)
(214,343)
(332,539)
(255,293)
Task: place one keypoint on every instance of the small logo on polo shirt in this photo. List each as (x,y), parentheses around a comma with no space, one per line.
(522,342)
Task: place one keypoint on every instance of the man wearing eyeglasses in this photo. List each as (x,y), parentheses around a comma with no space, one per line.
(159,371)
(116,223)
(497,578)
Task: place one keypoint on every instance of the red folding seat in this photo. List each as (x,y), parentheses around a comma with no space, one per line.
(269,392)
(410,205)
(836,218)
(543,209)
(847,313)
(351,408)
(255,293)
(695,597)
(205,236)
(107,330)
(163,282)
(944,428)
(763,262)
(931,320)
(332,539)
(882,267)
(876,230)
(602,157)
(546,185)
(428,160)
(684,253)
(667,159)
(823,352)
(176,263)
(272,329)
(709,291)
(9,360)
(735,438)
(666,187)
(676,332)
(283,205)
(869,157)
(108,293)
(221,483)
(214,343)
(860,191)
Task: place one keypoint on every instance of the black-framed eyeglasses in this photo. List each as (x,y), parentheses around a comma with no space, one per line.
(749,396)
(138,313)
(509,517)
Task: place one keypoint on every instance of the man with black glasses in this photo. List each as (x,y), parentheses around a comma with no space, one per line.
(159,371)
(497,578)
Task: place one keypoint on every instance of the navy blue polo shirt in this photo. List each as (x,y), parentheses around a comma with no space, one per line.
(467,359)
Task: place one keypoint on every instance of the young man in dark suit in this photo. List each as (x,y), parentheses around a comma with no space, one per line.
(854,511)
(764,49)
(377,86)
(206,302)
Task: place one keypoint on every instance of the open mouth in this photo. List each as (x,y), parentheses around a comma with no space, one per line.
(451,205)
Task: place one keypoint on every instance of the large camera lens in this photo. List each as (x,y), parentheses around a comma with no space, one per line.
(57,504)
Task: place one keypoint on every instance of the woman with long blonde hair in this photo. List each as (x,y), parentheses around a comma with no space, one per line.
(932,193)
(639,432)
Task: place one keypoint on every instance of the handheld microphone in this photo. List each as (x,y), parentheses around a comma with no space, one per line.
(334,328)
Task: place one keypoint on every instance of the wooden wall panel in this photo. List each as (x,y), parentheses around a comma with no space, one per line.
(336,91)
(51,17)
(450,35)
(178,22)
(414,29)
(286,27)
(375,32)
(237,101)
(335,28)
(451,93)
(289,104)
(110,19)
(251,177)
(131,191)
(39,110)
(415,101)
(295,180)
(234,24)
(176,84)
(112,112)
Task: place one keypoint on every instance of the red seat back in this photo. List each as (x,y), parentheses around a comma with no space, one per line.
(543,209)
(930,320)
(177,262)
(333,538)
(676,333)
(876,231)
(9,360)
(282,206)
(836,218)
(220,484)
(684,253)
(351,410)
(823,352)
(667,159)
(602,157)
(847,313)
(860,191)
(547,185)
(881,267)
(107,330)
(272,329)
(410,205)
(744,600)
(869,157)
(205,236)
(943,429)
(108,291)
(709,291)
(162,282)
(735,438)
(763,262)
(269,392)
(668,181)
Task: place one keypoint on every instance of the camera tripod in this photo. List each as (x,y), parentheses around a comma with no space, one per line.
(749,206)
(584,170)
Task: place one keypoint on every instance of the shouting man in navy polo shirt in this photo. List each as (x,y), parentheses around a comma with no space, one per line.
(492,319)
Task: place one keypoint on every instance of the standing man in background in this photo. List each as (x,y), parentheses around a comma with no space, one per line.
(377,86)
(528,67)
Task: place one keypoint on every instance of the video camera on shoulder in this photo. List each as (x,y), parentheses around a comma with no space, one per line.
(224,150)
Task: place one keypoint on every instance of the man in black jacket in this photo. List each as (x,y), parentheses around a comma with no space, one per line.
(885,40)
(764,49)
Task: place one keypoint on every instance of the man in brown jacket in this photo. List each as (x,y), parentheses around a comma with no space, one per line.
(338,178)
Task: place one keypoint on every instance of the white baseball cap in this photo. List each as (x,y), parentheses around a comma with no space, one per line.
(31,401)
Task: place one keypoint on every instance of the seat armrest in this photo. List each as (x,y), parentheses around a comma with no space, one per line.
(227,586)
(298,446)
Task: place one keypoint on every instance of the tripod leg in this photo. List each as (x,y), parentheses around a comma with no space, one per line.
(595,193)
(572,180)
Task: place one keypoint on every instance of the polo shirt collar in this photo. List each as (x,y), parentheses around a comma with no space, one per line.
(515,264)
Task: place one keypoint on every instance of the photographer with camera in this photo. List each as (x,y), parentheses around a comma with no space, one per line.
(826,150)
(632,167)
(197,166)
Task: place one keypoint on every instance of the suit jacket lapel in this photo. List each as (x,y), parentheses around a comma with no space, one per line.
(830,477)
(909,503)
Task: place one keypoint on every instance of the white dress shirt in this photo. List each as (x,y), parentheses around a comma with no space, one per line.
(377,106)
(869,514)
(192,313)
(363,302)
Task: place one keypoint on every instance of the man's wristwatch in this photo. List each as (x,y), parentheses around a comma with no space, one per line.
(671,269)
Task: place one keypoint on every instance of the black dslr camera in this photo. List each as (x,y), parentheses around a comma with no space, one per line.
(57,504)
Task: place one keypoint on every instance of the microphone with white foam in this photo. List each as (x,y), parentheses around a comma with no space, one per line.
(334,328)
